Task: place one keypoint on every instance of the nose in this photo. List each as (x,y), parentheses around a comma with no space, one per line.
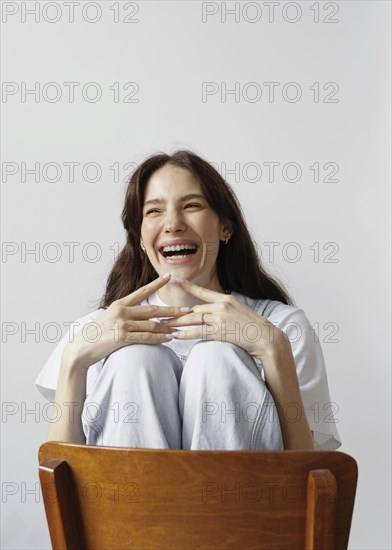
(174,222)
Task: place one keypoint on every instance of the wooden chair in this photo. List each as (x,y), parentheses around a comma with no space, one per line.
(116,498)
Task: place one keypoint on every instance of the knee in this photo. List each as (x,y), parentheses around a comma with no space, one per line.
(213,352)
(218,359)
(210,350)
(136,353)
(138,360)
(208,359)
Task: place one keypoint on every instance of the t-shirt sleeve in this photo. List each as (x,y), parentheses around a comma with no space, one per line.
(320,410)
(46,382)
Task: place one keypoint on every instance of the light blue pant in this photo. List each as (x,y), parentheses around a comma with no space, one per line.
(146,396)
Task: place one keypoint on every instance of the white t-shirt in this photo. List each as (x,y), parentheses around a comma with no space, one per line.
(291,320)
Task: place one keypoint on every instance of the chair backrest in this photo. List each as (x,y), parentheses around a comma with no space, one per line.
(110,497)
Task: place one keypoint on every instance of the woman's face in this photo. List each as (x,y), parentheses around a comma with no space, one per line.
(177,219)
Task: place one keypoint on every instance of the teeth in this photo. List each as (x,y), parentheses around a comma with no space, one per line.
(179,247)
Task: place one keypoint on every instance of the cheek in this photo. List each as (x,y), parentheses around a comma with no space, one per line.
(207,223)
(147,228)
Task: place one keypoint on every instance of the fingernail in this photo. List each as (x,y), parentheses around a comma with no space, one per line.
(185,308)
(179,280)
(164,321)
(169,336)
(166,275)
(175,334)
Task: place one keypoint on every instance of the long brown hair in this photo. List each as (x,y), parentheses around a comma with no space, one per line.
(238,265)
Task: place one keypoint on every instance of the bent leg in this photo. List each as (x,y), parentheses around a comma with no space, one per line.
(134,401)
(224,402)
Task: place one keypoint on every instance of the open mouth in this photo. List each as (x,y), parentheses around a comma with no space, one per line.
(179,251)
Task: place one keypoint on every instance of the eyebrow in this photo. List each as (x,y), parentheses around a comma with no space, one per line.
(183,198)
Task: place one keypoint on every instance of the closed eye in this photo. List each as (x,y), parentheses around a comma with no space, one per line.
(156,210)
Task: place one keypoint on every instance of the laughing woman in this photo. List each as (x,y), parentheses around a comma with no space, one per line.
(194,345)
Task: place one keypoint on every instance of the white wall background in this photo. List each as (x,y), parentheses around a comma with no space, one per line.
(169,52)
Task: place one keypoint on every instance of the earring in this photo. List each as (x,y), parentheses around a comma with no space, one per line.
(142,247)
(227,238)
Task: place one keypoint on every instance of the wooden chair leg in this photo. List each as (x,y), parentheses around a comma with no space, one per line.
(56,484)
(320,510)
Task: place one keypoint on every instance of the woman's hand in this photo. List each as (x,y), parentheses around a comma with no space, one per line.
(123,323)
(226,319)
